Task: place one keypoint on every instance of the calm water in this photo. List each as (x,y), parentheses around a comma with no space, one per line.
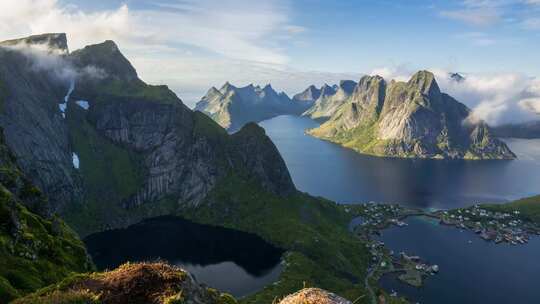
(231,261)
(328,170)
(479,272)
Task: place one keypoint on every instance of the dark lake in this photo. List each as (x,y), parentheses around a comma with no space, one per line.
(328,170)
(479,272)
(232,261)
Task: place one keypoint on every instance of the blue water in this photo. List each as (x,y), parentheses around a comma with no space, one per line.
(479,272)
(325,169)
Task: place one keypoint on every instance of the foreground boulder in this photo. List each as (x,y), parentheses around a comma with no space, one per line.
(142,283)
(313,296)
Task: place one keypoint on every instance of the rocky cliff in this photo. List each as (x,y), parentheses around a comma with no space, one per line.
(409,119)
(34,251)
(233,107)
(109,149)
(330,99)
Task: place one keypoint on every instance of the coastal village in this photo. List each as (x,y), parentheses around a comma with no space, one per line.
(496,226)
(371,218)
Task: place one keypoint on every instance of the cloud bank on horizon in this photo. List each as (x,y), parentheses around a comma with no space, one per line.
(192,45)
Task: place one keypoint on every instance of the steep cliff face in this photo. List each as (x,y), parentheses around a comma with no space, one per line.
(115,149)
(412,119)
(32,120)
(233,107)
(330,100)
(34,251)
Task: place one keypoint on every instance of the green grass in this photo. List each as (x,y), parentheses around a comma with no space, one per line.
(110,173)
(118,90)
(320,250)
(529,208)
(39,254)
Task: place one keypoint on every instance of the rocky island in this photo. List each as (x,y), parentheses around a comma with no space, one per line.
(411,119)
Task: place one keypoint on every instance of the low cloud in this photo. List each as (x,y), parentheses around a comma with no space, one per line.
(495,98)
(482,17)
(43,58)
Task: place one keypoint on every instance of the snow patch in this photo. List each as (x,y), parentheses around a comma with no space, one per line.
(83,104)
(76,162)
(63,106)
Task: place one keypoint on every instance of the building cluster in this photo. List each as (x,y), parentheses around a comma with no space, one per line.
(491,225)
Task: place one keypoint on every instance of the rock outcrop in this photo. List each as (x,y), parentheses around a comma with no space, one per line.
(313,296)
(109,149)
(155,283)
(308,97)
(409,119)
(233,107)
(34,251)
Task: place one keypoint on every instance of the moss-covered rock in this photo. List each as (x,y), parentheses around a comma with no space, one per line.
(34,251)
(144,283)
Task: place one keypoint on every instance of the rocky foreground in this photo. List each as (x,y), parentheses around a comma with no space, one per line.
(152,283)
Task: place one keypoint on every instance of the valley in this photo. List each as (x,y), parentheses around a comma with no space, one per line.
(166,197)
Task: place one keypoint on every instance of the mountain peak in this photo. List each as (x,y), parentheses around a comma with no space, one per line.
(107,56)
(52,41)
(425,82)
(347,85)
(226,87)
(457,77)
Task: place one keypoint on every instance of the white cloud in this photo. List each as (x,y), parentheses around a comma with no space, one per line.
(495,98)
(477,38)
(477,16)
(188,43)
(397,72)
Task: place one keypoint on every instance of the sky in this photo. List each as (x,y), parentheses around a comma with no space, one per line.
(192,45)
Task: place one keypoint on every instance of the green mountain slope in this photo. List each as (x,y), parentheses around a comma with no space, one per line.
(34,251)
(409,119)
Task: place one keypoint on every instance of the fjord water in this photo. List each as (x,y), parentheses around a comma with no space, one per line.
(326,169)
(232,261)
(475,272)
(479,272)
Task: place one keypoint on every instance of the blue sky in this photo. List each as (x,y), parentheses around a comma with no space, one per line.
(192,45)
(359,36)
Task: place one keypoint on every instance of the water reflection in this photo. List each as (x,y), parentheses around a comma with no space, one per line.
(328,170)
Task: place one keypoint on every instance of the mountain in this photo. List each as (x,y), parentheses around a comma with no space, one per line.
(51,42)
(409,119)
(307,97)
(330,99)
(457,77)
(528,130)
(233,107)
(35,251)
(108,150)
